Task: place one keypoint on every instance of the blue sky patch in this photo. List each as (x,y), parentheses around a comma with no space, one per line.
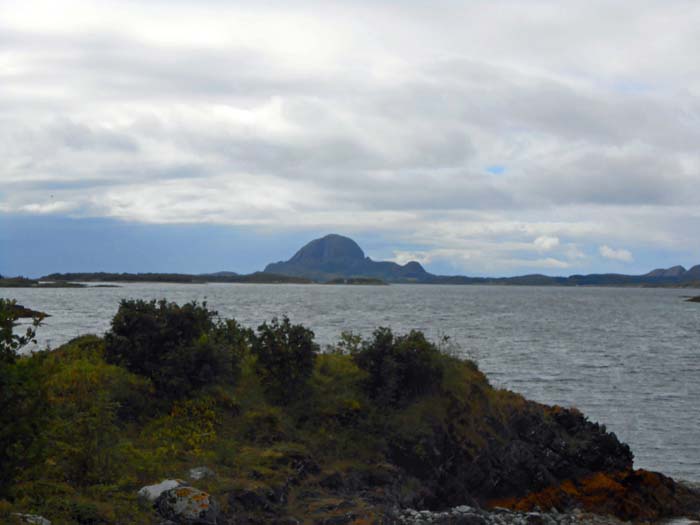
(496,169)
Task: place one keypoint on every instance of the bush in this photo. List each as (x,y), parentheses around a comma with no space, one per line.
(11,343)
(285,358)
(400,368)
(22,399)
(22,418)
(180,348)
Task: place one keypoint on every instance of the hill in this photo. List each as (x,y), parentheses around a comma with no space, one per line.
(337,257)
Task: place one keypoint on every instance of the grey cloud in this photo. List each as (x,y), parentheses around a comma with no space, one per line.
(402,113)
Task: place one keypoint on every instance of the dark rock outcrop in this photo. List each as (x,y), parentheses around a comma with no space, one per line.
(22,312)
(530,452)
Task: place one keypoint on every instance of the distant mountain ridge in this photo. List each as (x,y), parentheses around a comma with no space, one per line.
(335,257)
(676,272)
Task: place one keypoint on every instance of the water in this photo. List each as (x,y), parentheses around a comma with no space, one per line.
(628,358)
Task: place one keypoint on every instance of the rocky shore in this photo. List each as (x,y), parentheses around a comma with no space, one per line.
(174,417)
(465,515)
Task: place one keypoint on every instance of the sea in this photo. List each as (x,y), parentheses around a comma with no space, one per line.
(628,358)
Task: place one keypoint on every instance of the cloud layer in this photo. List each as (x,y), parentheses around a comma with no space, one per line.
(495,137)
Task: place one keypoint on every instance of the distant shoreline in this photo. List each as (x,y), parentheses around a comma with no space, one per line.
(109,280)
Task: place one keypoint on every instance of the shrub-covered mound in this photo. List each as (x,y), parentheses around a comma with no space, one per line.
(291,433)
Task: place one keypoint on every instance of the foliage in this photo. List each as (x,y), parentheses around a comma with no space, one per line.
(11,343)
(21,397)
(393,414)
(89,402)
(180,348)
(285,358)
(190,427)
(400,368)
(22,416)
(349,343)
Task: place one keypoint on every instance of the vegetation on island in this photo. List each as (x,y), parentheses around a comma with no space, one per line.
(23,282)
(369,281)
(290,431)
(180,278)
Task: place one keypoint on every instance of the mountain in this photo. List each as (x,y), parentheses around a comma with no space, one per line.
(693,274)
(337,257)
(674,272)
(334,256)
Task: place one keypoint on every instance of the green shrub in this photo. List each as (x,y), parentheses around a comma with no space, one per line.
(180,348)
(87,399)
(10,342)
(189,429)
(285,354)
(22,418)
(400,368)
(22,400)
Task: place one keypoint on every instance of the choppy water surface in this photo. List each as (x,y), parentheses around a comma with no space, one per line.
(628,358)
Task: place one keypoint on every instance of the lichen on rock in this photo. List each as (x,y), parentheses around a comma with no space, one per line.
(187,505)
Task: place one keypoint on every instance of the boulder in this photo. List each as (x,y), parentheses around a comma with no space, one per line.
(198,473)
(187,505)
(151,492)
(32,519)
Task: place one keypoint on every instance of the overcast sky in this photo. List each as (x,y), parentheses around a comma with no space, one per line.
(481,137)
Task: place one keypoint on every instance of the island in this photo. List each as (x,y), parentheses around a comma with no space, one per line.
(22,312)
(177,278)
(178,416)
(22,282)
(336,259)
(361,281)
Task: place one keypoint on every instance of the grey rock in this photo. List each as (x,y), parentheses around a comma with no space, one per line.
(32,519)
(187,505)
(152,492)
(198,473)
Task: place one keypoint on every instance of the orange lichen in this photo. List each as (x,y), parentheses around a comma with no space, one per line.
(628,495)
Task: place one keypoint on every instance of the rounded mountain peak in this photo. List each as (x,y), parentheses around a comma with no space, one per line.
(329,248)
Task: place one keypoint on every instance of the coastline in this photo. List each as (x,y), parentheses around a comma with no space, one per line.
(343,447)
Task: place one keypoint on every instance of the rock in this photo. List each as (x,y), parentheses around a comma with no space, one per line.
(187,505)
(198,473)
(337,520)
(22,312)
(250,500)
(289,520)
(33,519)
(151,492)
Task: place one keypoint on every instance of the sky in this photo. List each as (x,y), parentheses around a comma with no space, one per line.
(479,137)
